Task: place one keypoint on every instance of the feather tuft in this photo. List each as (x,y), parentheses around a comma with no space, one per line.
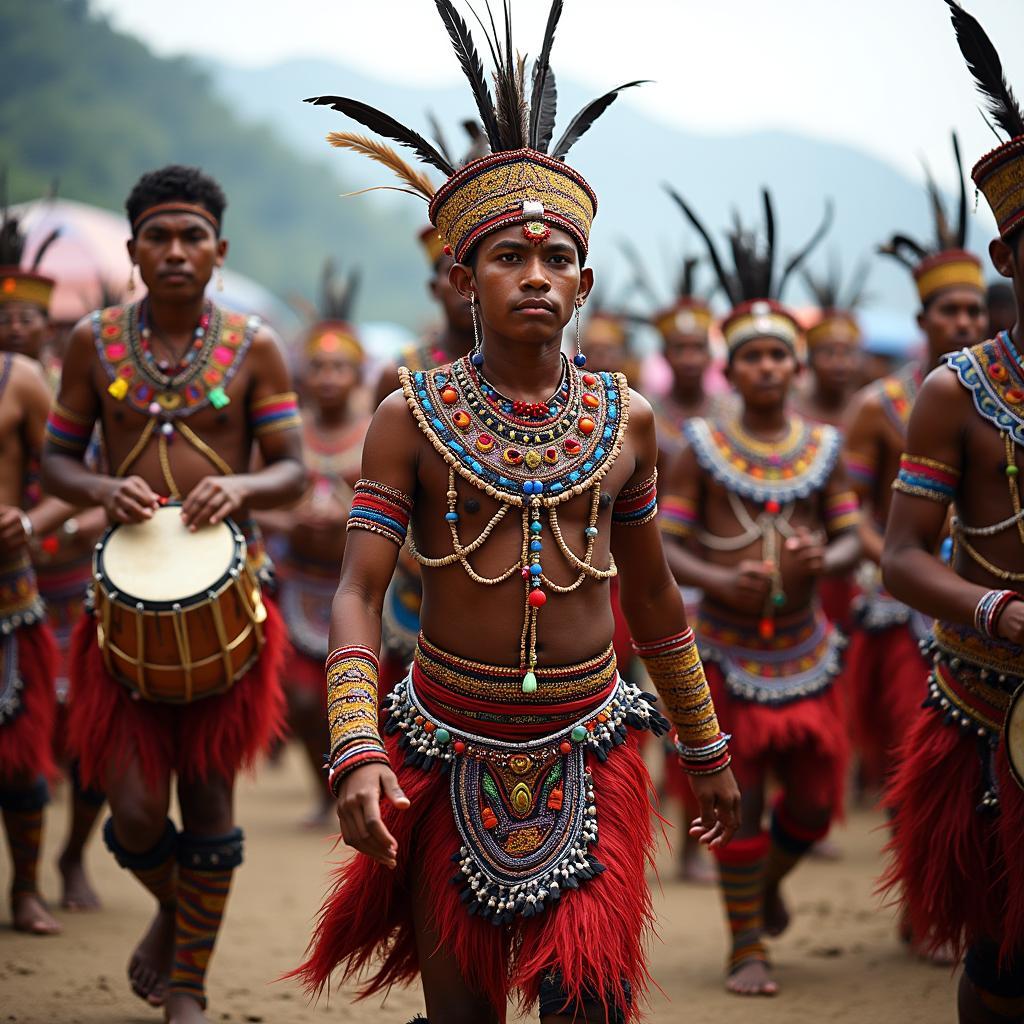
(382,154)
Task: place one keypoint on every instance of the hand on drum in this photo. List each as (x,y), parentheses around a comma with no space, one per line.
(131,500)
(212,500)
(12,528)
(359,811)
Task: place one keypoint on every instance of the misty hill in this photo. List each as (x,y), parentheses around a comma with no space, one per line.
(626,157)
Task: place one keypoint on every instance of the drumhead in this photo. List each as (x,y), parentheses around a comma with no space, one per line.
(160,561)
(1013,735)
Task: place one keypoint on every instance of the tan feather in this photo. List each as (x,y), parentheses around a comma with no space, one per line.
(385,155)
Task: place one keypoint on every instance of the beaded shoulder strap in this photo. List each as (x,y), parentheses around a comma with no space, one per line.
(791,469)
(993,374)
(897,394)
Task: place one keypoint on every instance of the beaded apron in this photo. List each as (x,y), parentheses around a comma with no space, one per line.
(801,659)
(20,605)
(530,461)
(875,610)
(521,795)
(307,590)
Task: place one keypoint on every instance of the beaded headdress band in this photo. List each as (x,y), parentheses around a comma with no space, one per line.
(432,242)
(334,332)
(836,304)
(524,179)
(762,318)
(999,175)
(19,283)
(175,207)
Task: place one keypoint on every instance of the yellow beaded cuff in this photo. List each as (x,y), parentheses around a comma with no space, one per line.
(352,674)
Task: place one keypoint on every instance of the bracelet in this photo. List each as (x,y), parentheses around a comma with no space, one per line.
(990,607)
(26,524)
(706,760)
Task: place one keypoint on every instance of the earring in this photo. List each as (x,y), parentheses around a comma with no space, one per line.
(579,359)
(477,357)
(220,279)
(130,286)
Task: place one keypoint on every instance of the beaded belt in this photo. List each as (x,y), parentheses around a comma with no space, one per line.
(801,659)
(20,603)
(521,795)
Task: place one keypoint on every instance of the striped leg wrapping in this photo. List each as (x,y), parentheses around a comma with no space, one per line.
(156,869)
(741,867)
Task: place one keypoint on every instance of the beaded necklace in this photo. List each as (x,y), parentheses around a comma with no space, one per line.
(774,475)
(526,464)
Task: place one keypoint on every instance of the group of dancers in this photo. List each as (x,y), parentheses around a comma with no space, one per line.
(824,568)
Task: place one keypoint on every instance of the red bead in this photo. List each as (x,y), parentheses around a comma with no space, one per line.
(449,396)
(587,425)
(766,629)
(50,544)
(459,746)
(572,446)
(537,598)
(565,747)
(591,401)
(589,379)
(772,508)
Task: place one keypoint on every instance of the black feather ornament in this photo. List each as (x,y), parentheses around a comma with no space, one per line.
(726,280)
(801,255)
(544,95)
(579,125)
(338,293)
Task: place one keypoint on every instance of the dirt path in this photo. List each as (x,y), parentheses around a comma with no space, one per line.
(840,962)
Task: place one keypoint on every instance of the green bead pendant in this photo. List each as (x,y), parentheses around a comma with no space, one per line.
(579,734)
(778,600)
(1011,470)
(529,683)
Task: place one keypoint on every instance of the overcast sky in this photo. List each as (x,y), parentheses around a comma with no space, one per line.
(885,75)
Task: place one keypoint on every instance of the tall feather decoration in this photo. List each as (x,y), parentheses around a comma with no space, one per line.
(769,234)
(943,238)
(544,95)
(384,124)
(337,295)
(801,255)
(984,64)
(724,279)
(586,117)
(442,143)
(382,154)
(961,220)
(641,279)
(903,249)
(46,243)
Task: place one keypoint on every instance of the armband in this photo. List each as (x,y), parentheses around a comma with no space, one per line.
(842,511)
(675,667)
(926,478)
(990,607)
(380,509)
(68,431)
(860,469)
(275,413)
(352,674)
(677,517)
(638,504)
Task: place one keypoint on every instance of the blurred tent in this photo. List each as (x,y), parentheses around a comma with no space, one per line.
(89,260)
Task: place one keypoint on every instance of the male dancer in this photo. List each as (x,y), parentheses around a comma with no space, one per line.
(334,426)
(958,807)
(760,510)
(181,389)
(502,461)
(63,557)
(886,634)
(28,655)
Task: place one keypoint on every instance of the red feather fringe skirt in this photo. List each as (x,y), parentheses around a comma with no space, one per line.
(28,655)
(958,826)
(499,785)
(109,726)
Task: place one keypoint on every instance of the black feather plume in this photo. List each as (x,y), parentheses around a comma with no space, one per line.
(984,64)
(544,95)
(586,117)
(41,251)
(438,132)
(942,231)
(384,124)
(724,279)
(961,220)
(769,234)
(796,260)
(472,67)
(337,293)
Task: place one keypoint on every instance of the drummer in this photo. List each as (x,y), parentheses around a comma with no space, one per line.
(181,389)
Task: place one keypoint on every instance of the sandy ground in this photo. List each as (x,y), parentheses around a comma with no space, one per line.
(840,962)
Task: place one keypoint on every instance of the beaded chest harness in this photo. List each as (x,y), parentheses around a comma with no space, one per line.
(774,475)
(528,459)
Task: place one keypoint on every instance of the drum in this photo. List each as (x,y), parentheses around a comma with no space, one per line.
(1013,735)
(179,614)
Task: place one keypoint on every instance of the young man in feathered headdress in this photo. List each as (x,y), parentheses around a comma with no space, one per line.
(758,510)
(958,792)
(884,662)
(502,821)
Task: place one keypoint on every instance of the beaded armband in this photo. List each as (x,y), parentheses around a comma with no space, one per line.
(67,430)
(677,517)
(274,413)
(352,674)
(380,509)
(926,478)
(638,504)
(675,667)
(990,607)
(860,469)
(842,511)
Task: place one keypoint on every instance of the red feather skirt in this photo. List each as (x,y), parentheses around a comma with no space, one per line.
(109,728)
(26,741)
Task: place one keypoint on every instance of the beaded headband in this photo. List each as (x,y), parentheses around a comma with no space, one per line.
(686,316)
(334,336)
(999,176)
(953,268)
(762,318)
(17,285)
(834,325)
(175,207)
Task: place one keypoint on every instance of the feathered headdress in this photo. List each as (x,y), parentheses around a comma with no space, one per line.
(945,262)
(752,285)
(20,283)
(998,174)
(838,303)
(524,179)
(332,330)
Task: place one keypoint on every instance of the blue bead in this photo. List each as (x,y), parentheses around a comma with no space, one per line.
(599,454)
(418,377)
(554,487)
(452,517)
(421,393)
(538,486)
(573,476)
(535,545)
(428,405)
(536,526)
(580,359)
(477,359)
(536,570)
(527,487)
(476,467)
(607,435)
(591,531)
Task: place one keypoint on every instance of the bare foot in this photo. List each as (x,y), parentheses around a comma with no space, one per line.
(182,1009)
(78,893)
(30,915)
(751,979)
(696,866)
(150,965)
(776,914)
